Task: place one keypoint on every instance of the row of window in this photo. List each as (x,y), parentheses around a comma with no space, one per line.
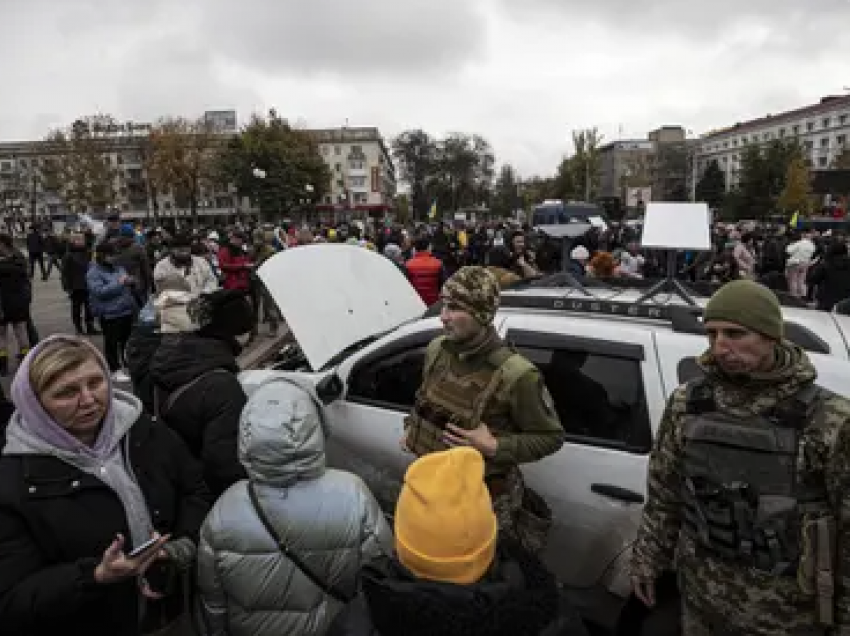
(827,122)
(598,394)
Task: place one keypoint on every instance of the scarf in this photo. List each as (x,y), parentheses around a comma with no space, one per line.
(32,431)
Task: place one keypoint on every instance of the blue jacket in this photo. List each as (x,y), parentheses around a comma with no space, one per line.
(109,298)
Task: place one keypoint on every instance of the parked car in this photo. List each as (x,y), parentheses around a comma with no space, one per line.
(610,364)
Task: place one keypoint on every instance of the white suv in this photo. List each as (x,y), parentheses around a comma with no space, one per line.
(609,363)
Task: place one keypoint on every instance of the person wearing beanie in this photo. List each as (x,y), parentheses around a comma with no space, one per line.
(197,270)
(477,392)
(196,389)
(757,444)
(452,573)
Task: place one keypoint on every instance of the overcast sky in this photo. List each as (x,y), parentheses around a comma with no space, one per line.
(523,74)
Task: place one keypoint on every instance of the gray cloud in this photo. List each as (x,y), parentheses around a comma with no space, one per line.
(170,76)
(651,19)
(337,37)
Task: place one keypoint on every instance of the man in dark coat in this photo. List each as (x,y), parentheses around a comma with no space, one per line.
(196,390)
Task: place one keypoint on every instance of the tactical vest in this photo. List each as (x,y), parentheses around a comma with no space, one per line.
(446,397)
(742,497)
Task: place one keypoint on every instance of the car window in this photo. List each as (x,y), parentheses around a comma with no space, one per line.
(599,398)
(390,381)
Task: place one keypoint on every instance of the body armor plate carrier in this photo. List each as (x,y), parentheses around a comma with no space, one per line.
(742,497)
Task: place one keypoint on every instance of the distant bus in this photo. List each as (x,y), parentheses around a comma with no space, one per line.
(553,212)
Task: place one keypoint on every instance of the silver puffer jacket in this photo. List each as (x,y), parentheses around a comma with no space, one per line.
(327,517)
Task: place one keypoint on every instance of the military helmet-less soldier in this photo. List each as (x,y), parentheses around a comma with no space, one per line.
(742,501)
(475,290)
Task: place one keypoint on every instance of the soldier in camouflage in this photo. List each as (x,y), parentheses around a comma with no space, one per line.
(747,489)
(476,391)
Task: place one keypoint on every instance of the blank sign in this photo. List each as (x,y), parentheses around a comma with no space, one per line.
(679,226)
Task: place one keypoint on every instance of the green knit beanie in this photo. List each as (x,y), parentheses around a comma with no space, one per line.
(748,304)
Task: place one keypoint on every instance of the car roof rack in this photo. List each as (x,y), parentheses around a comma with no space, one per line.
(682,318)
(617,283)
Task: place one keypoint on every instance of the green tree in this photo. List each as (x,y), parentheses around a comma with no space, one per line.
(182,158)
(506,196)
(536,190)
(842,159)
(564,186)
(711,187)
(796,195)
(415,154)
(279,167)
(585,163)
(671,172)
(79,165)
(401,205)
(762,177)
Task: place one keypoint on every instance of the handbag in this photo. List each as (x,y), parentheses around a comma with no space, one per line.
(331,590)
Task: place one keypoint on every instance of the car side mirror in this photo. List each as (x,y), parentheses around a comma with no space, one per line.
(329,388)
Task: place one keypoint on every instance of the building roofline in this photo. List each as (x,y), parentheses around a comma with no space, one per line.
(826,104)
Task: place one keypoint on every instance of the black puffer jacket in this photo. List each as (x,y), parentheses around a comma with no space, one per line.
(206,415)
(518,597)
(56,522)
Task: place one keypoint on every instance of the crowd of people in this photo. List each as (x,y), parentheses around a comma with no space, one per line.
(185,506)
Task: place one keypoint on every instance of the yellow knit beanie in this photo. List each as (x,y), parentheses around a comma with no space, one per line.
(445,528)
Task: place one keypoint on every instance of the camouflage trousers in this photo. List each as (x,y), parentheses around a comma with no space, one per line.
(697,624)
(522,514)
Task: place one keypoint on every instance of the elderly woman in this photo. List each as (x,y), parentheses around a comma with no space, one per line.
(86,481)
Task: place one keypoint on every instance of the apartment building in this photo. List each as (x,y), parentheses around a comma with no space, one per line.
(823,129)
(648,169)
(363,177)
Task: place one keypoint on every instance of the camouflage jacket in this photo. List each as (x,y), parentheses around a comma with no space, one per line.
(522,417)
(750,601)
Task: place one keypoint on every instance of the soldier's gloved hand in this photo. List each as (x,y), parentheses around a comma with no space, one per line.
(644,588)
(481,439)
(403,443)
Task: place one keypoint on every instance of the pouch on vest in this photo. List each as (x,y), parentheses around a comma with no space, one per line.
(816,572)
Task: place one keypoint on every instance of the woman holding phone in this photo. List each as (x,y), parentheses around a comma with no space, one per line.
(100,508)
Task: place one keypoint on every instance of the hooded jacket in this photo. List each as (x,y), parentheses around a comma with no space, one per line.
(207,415)
(56,520)
(517,597)
(327,517)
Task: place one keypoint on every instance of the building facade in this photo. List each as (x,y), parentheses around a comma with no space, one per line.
(823,129)
(363,177)
(655,167)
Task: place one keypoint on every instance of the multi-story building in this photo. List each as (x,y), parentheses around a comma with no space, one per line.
(823,129)
(363,177)
(656,167)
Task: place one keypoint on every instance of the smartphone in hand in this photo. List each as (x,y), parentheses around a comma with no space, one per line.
(147,545)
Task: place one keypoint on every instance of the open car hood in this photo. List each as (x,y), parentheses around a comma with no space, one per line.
(334,295)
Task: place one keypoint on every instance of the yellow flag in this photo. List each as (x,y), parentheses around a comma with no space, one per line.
(795,220)
(432,213)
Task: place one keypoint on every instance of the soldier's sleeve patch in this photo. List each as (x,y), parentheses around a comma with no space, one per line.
(546,398)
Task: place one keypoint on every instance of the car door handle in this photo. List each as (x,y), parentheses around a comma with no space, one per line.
(615,492)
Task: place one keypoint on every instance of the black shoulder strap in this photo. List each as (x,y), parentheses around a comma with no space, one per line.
(699,397)
(161,409)
(797,410)
(331,590)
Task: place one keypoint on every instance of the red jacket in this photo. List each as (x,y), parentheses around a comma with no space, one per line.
(426,276)
(236,275)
